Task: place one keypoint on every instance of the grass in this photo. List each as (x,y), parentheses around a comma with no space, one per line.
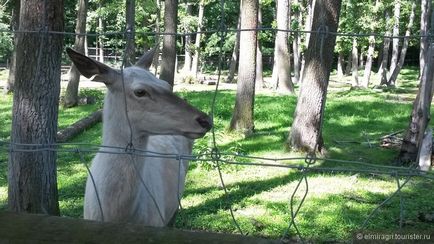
(336,204)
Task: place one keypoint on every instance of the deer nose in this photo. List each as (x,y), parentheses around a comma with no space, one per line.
(204,121)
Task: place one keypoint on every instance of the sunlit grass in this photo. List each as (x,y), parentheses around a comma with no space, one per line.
(336,204)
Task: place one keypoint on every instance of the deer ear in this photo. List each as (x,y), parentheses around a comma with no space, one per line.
(92,69)
(146,60)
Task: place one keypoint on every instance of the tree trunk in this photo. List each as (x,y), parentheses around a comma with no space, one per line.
(259,64)
(130,52)
(355,63)
(71,94)
(78,127)
(282,79)
(341,62)
(32,175)
(296,43)
(187,43)
(242,119)
(368,66)
(15,25)
(310,5)
(424,18)
(235,52)
(156,60)
(395,41)
(100,39)
(305,133)
(385,57)
(168,56)
(398,67)
(196,56)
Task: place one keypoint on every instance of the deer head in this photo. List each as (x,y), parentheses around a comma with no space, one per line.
(152,107)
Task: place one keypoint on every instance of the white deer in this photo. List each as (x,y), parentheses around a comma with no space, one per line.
(132,188)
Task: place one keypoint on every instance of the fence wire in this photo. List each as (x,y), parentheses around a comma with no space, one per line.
(402,175)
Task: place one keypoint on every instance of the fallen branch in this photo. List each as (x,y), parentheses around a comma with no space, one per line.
(78,127)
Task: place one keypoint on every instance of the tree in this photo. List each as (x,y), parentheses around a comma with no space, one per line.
(310,5)
(385,57)
(156,61)
(295,24)
(130,53)
(187,43)
(242,119)
(371,47)
(395,41)
(168,56)
(424,18)
(355,63)
(395,72)
(32,175)
(282,67)
(15,25)
(420,114)
(196,56)
(235,51)
(259,65)
(71,93)
(305,134)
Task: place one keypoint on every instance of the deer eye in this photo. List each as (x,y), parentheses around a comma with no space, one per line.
(141,93)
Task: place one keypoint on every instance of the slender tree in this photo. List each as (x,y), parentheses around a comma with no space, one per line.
(235,52)
(398,67)
(156,60)
(187,40)
(32,175)
(71,94)
(259,64)
(242,119)
(355,62)
(297,39)
(130,51)
(310,5)
(385,57)
(282,68)
(425,6)
(196,56)
(395,41)
(168,56)
(305,133)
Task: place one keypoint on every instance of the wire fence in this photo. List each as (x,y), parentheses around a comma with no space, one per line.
(401,175)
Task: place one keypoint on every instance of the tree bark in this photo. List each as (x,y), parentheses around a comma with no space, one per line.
(395,41)
(71,93)
(130,51)
(15,25)
(296,43)
(32,175)
(305,134)
(196,56)
(398,67)
(168,56)
(368,66)
(420,114)
(282,58)
(310,5)
(341,61)
(100,41)
(156,60)
(385,57)
(355,63)
(235,52)
(424,20)
(242,119)
(259,64)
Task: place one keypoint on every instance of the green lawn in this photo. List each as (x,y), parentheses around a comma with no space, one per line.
(336,204)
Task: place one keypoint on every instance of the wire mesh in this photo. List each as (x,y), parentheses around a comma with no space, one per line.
(216,156)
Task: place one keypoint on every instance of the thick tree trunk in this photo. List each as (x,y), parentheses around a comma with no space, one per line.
(385,57)
(355,63)
(15,25)
(168,56)
(32,178)
(235,52)
(259,64)
(188,44)
(420,114)
(305,133)
(196,56)
(296,43)
(282,58)
(398,67)
(424,20)
(130,51)
(71,94)
(242,119)
(368,66)
(395,41)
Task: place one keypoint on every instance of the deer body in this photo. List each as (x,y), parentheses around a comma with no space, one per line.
(141,109)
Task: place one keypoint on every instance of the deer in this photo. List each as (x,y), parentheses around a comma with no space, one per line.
(141,110)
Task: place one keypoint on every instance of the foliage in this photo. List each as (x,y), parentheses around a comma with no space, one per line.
(6,43)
